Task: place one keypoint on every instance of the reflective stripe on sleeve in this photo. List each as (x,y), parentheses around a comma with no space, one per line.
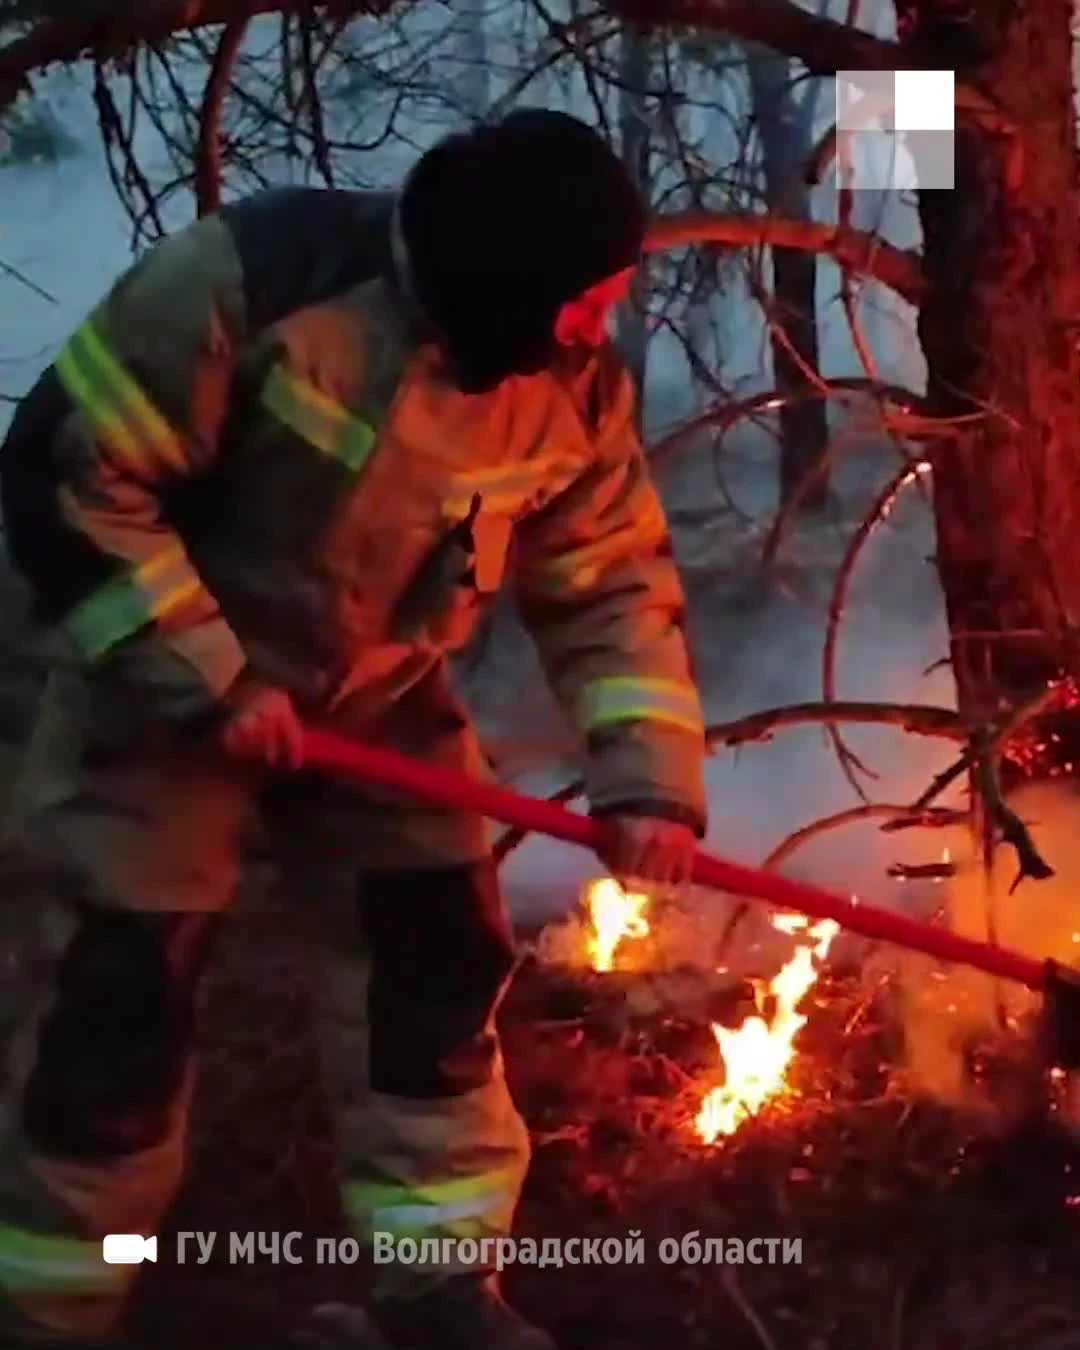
(318,419)
(510,488)
(124,419)
(122,607)
(629,698)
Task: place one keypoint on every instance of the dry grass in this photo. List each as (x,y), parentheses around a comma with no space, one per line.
(920,1230)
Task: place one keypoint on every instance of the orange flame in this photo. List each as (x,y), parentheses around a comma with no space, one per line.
(757,1055)
(616,915)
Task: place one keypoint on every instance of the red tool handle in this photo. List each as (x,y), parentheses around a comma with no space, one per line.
(442,787)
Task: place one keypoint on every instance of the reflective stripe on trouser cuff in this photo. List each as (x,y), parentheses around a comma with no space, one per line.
(123,417)
(317,418)
(627,698)
(464,1207)
(33,1262)
(124,606)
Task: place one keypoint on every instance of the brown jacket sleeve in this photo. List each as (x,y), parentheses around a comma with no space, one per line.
(600,593)
(148,375)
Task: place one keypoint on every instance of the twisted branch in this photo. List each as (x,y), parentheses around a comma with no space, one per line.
(878,512)
(208,149)
(936,818)
(900,269)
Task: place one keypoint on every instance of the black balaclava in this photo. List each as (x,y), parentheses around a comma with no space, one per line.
(506,223)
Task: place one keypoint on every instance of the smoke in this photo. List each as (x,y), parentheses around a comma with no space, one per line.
(766,651)
(949,1012)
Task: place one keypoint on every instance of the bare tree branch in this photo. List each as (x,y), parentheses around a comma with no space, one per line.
(934,817)
(917,718)
(208,150)
(823,45)
(898,268)
(13,272)
(78,28)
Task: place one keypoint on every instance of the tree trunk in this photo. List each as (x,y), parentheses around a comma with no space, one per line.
(785,129)
(999,330)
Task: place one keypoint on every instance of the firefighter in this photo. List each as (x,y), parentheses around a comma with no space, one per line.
(273,479)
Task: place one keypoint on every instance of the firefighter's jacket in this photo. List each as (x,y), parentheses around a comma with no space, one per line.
(250,457)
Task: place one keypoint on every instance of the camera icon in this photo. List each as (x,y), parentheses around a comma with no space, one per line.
(128,1249)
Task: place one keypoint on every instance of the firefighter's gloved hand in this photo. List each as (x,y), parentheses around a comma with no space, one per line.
(647,848)
(262,725)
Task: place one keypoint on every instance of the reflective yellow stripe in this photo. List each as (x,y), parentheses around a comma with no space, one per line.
(33,1261)
(627,698)
(580,568)
(457,1208)
(506,488)
(124,419)
(139,597)
(317,418)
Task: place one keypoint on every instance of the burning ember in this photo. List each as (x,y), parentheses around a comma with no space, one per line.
(756,1055)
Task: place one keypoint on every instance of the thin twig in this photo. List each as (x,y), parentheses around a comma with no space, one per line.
(879,512)
(730,1282)
(935,818)
(26,281)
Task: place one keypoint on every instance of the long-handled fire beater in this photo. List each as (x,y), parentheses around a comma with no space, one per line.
(443,788)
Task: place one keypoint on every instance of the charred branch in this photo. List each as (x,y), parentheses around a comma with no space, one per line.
(919,719)
(896,818)
(934,871)
(1006,731)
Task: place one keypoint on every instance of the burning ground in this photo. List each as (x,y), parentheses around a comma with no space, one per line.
(785,1116)
(922,1226)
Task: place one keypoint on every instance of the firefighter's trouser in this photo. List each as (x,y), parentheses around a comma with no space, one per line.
(117,866)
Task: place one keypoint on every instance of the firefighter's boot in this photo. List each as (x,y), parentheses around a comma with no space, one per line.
(463,1312)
